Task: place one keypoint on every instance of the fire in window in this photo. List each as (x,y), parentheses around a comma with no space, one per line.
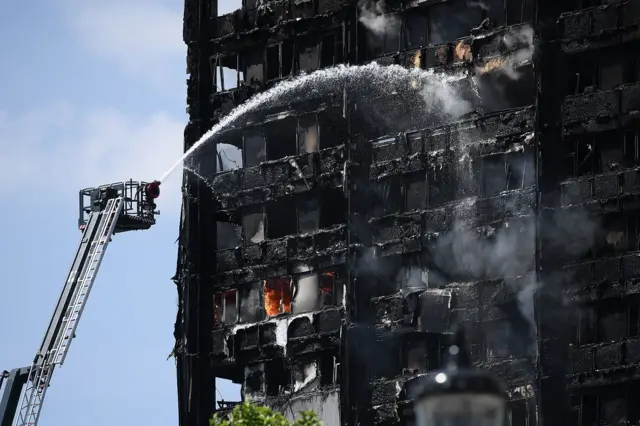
(313,292)
(327,285)
(225,307)
(277,295)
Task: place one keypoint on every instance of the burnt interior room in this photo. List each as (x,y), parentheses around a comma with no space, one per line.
(497,187)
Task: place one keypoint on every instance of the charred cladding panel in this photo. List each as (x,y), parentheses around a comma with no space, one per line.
(495,186)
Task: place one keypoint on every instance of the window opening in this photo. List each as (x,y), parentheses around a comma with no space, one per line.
(255,148)
(277,295)
(253,66)
(250,304)
(308,133)
(225,307)
(273,62)
(253,226)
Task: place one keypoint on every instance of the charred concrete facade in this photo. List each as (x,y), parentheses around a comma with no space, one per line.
(322,268)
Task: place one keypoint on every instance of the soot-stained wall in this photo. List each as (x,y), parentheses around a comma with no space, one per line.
(479,167)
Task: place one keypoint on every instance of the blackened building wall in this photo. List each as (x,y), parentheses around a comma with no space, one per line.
(323,266)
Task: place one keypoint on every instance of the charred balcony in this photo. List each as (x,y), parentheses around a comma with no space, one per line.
(600,25)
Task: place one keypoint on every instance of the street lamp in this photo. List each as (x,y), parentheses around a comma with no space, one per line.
(460,395)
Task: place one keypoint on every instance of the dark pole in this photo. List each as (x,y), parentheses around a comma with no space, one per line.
(460,394)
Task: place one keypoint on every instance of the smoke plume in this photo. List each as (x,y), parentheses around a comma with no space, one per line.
(372,16)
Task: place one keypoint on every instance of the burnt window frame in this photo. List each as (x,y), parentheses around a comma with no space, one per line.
(219,317)
(594,62)
(302,43)
(374,45)
(587,406)
(579,165)
(508,161)
(435,347)
(242,292)
(299,131)
(338,44)
(587,330)
(295,205)
(329,360)
(415,177)
(285,60)
(439,185)
(337,290)
(244,145)
(404,33)
(259,209)
(258,51)
(524,13)
(216,63)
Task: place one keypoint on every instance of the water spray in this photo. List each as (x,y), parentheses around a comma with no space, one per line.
(435,88)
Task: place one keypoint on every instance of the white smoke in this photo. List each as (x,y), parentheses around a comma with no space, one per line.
(373,17)
(307,292)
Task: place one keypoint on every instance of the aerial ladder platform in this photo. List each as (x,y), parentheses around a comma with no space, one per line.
(104,211)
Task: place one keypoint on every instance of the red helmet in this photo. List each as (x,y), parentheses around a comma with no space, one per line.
(153,190)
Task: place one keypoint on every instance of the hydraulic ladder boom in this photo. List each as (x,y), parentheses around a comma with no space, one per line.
(99,227)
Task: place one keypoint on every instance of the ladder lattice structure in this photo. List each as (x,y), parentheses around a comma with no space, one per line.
(97,235)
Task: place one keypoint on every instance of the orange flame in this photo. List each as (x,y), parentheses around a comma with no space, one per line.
(277,296)
(463,51)
(492,65)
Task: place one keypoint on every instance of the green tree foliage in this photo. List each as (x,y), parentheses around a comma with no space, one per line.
(248,414)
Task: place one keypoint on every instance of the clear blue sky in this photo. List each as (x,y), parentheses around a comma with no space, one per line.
(91,92)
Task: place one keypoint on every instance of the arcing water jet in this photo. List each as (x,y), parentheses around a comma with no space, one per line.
(437,89)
